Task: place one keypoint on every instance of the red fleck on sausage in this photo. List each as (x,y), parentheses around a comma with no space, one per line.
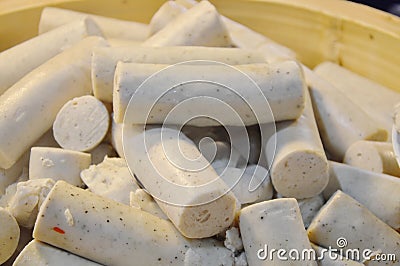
(59,230)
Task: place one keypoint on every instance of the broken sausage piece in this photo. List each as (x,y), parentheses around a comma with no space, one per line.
(378,192)
(345,223)
(274,224)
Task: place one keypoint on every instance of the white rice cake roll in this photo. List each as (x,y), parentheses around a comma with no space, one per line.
(101,151)
(58,164)
(376,100)
(299,167)
(201,212)
(137,235)
(9,235)
(341,121)
(309,208)
(233,241)
(21,59)
(209,255)
(199,26)
(165,14)
(329,258)
(144,201)
(246,38)
(275,224)
(81,124)
(281,84)
(374,156)
(38,253)
(346,222)
(29,108)
(53,17)
(378,192)
(28,198)
(111,179)
(105,61)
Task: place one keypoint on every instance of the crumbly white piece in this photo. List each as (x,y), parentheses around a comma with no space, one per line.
(111,179)
(233,241)
(25,203)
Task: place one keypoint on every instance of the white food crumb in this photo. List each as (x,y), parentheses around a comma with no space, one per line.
(233,240)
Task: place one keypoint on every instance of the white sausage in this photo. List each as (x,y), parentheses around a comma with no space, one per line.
(280,84)
(189,192)
(378,192)
(19,60)
(343,217)
(81,124)
(121,234)
(199,26)
(38,253)
(58,164)
(274,224)
(299,167)
(341,122)
(9,235)
(53,17)
(246,38)
(105,61)
(373,156)
(165,14)
(376,100)
(28,108)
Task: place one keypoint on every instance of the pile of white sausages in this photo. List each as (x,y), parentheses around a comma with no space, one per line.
(317,167)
